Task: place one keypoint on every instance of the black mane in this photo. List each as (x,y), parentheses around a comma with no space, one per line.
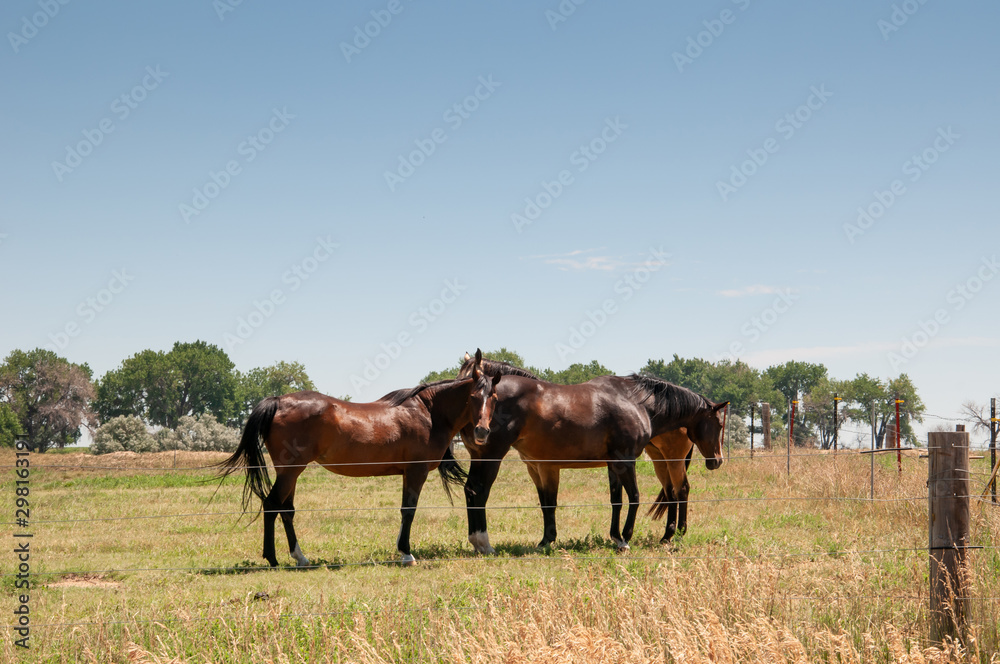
(494,367)
(669,399)
(397,397)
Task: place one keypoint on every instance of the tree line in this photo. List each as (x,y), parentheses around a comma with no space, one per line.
(45,398)
(745,387)
(187,397)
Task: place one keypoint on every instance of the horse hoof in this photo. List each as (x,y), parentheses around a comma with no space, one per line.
(480,541)
(408,560)
(622,546)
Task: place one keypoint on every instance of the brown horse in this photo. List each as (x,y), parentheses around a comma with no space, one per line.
(606,421)
(671,454)
(406,432)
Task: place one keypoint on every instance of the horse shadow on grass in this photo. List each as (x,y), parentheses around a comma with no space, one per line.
(589,545)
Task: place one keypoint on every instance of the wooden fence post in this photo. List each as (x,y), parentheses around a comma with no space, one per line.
(948,525)
(765,424)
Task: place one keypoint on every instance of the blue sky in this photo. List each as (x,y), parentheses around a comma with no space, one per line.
(693,174)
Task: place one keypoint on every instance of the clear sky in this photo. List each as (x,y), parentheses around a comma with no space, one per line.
(613,181)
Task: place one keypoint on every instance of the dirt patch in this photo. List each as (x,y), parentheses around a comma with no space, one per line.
(84,581)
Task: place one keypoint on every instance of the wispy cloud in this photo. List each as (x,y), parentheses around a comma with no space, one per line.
(587,259)
(756,289)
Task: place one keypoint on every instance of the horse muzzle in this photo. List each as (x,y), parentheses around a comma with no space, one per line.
(714,463)
(480,434)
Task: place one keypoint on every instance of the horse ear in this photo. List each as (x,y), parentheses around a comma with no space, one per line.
(479,356)
(496,379)
(720,406)
(467,357)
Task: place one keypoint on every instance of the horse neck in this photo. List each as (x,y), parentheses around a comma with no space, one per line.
(446,405)
(672,415)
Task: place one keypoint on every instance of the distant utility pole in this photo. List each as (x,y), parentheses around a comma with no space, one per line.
(836,402)
(899,452)
(751,430)
(791,438)
(994,427)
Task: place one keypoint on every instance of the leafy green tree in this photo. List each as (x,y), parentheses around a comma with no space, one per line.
(160,388)
(49,396)
(694,374)
(872,397)
(502,355)
(257,384)
(817,409)
(10,428)
(735,382)
(574,373)
(794,379)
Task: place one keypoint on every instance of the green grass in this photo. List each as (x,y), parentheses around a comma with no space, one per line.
(214,598)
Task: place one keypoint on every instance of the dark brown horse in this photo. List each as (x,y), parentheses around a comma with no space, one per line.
(606,421)
(406,432)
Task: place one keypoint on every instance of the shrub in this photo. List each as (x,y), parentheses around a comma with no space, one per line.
(122,434)
(202,433)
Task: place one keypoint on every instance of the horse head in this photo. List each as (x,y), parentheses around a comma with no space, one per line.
(483,398)
(707,433)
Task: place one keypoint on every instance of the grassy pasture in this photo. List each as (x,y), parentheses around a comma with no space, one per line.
(788,575)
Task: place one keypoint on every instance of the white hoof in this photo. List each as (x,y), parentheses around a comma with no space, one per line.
(300,560)
(622,546)
(480,541)
(408,560)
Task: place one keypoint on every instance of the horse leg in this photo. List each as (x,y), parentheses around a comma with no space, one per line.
(482,474)
(671,527)
(663,474)
(281,492)
(413,483)
(682,506)
(546,479)
(615,486)
(287,514)
(631,485)
(677,514)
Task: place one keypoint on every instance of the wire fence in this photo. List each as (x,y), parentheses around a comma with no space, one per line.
(555,555)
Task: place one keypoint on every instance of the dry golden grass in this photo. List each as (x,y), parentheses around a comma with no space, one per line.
(759,580)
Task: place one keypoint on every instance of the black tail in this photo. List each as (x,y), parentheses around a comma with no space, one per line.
(661,504)
(250,456)
(451,473)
